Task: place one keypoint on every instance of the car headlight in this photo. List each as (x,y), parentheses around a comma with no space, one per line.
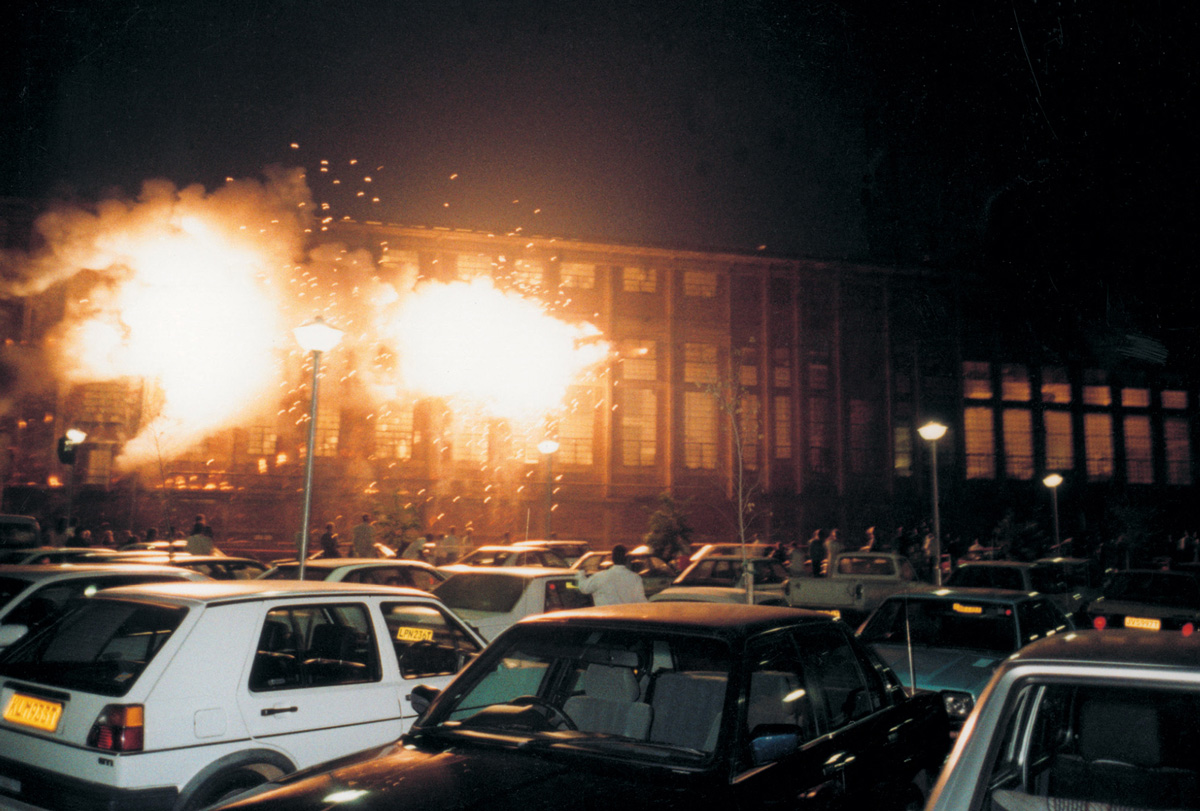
(958,705)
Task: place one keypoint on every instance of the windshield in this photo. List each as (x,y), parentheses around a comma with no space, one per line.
(621,690)
(962,624)
(101,647)
(728,571)
(491,592)
(1156,588)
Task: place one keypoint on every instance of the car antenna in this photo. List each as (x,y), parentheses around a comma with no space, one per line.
(912,675)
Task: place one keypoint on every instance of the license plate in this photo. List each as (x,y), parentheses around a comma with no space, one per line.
(1143,623)
(33,712)
(406,634)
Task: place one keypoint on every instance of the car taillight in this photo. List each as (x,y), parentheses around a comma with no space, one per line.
(1099,623)
(118,728)
(1188,629)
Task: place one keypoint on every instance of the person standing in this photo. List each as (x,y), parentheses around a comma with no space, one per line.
(450,547)
(816,552)
(362,539)
(416,549)
(614,585)
(833,548)
(199,543)
(329,543)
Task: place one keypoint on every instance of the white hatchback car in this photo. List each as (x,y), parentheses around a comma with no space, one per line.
(176,696)
(492,598)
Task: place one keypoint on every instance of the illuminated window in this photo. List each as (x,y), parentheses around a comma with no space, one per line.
(394,433)
(977,380)
(1096,391)
(1139,464)
(1174,400)
(1178,449)
(699,431)
(261,440)
(819,435)
(1060,451)
(781,368)
(469,441)
(328,423)
(750,431)
(1056,388)
(577,275)
(699,283)
(1098,444)
(783,427)
(861,447)
(1018,443)
(1135,398)
(699,363)
(1014,382)
(576,436)
(749,373)
(473,265)
(397,262)
(639,280)
(97,465)
(639,427)
(902,450)
(980,440)
(639,360)
(528,274)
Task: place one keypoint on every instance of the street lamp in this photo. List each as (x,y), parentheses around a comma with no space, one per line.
(67,446)
(314,336)
(932,432)
(548,447)
(1053,481)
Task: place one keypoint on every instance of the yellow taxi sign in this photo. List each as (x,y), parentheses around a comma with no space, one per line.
(1146,624)
(967,609)
(409,634)
(33,712)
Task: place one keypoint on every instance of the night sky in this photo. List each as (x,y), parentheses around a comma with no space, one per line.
(1049,142)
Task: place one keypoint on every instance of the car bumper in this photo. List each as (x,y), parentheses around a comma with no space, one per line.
(32,787)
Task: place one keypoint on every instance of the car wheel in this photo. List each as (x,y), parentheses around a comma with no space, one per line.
(224,785)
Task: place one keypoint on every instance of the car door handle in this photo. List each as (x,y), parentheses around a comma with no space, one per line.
(278,710)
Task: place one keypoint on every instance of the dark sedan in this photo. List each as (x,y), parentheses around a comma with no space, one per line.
(1147,600)
(655,706)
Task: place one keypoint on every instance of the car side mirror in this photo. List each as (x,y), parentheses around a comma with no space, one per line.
(10,633)
(422,697)
(772,742)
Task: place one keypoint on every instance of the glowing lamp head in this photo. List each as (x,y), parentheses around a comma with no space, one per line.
(932,431)
(75,436)
(317,336)
(1053,480)
(547,446)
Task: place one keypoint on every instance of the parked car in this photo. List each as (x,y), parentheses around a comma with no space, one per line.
(179,545)
(415,574)
(493,598)
(175,696)
(754,550)
(718,579)
(856,584)
(40,555)
(1102,720)
(570,550)
(950,641)
(1146,599)
(32,596)
(218,567)
(660,706)
(510,555)
(656,573)
(1046,578)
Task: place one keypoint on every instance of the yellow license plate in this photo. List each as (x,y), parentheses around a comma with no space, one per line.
(406,634)
(33,712)
(1143,623)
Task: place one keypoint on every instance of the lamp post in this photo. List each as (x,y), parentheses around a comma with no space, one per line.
(932,432)
(314,336)
(548,447)
(67,446)
(1053,481)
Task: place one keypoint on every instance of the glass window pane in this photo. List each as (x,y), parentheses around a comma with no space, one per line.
(1060,452)
(1056,387)
(1098,444)
(980,443)
(977,380)
(1139,465)
(1014,382)
(1018,443)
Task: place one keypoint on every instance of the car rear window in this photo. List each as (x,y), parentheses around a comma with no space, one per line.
(496,593)
(101,647)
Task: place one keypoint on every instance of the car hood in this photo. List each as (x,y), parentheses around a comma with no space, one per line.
(466,777)
(943,668)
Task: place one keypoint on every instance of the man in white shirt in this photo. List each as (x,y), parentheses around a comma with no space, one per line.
(363,539)
(614,585)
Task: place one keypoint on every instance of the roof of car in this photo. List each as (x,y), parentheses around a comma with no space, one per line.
(1116,647)
(337,563)
(985,595)
(219,591)
(1001,564)
(526,572)
(47,571)
(498,547)
(726,619)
